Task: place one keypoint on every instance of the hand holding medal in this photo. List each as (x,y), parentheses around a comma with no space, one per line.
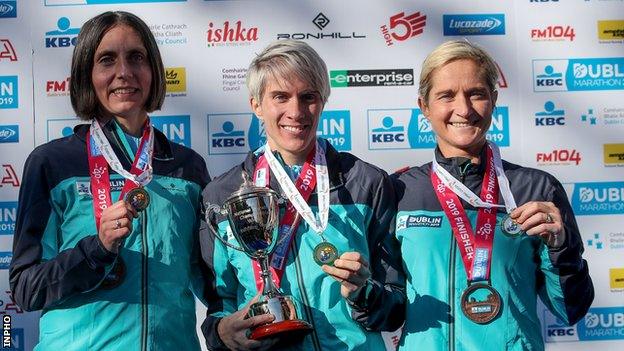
(351,271)
(540,218)
(116,225)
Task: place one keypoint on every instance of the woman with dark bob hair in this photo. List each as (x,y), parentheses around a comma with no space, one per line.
(105,239)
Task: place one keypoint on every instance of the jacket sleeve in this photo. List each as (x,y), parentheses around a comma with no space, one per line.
(380,306)
(39,275)
(564,285)
(221,284)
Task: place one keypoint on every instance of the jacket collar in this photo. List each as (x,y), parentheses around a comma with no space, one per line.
(336,177)
(162,145)
(455,164)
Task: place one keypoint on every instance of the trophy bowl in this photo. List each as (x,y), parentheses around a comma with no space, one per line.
(252,213)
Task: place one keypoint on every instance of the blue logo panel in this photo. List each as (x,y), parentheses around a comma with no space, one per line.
(604,323)
(335,126)
(8,92)
(498,133)
(474,24)
(8,214)
(8,9)
(5,259)
(598,198)
(175,128)
(101,2)
(595,74)
(9,133)
(228,133)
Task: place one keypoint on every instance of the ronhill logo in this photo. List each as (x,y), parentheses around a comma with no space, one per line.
(230,34)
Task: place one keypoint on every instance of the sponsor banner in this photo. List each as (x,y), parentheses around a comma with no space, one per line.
(613,154)
(8,176)
(7,52)
(555,330)
(320,21)
(9,133)
(5,259)
(611,31)
(8,92)
(474,24)
(371,78)
(418,221)
(175,78)
(609,241)
(553,33)
(8,9)
(409,129)
(175,128)
(233,78)
(335,126)
(578,74)
(609,116)
(616,279)
(174,33)
(60,128)
(63,36)
(56,88)
(559,157)
(550,116)
(8,214)
(100,2)
(403,27)
(230,34)
(598,198)
(602,323)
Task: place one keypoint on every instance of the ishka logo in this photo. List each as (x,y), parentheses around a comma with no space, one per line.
(230,34)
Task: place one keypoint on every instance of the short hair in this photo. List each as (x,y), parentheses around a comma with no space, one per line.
(452,51)
(82,94)
(281,59)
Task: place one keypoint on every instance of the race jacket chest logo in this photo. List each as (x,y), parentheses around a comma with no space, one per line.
(416,221)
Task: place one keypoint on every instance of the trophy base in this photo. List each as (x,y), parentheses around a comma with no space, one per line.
(295,328)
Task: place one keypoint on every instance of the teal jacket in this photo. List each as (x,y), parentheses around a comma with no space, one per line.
(523,268)
(59,262)
(362,207)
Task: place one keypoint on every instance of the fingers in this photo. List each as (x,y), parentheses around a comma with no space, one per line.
(351,271)
(538,218)
(116,224)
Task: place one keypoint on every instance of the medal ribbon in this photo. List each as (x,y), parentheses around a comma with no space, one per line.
(313,174)
(100,154)
(475,248)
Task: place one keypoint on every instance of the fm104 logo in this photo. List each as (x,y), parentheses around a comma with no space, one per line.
(241,133)
(57,87)
(403,27)
(7,52)
(553,33)
(559,157)
(8,92)
(598,198)
(8,214)
(409,129)
(175,128)
(578,74)
(63,36)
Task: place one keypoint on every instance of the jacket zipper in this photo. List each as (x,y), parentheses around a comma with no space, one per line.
(144,304)
(304,295)
(452,262)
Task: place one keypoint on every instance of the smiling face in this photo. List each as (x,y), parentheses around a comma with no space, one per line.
(459,108)
(290,109)
(121,74)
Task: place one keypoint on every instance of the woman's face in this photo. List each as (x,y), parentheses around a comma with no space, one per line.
(290,110)
(121,73)
(459,108)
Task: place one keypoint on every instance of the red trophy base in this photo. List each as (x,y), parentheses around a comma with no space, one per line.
(296,328)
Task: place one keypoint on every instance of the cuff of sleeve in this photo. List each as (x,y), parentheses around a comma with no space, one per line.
(359,302)
(556,242)
(211,333)
(99,255)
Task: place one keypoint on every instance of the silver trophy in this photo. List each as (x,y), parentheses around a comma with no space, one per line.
(252,213)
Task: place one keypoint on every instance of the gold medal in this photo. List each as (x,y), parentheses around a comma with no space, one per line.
(138,198)
(481,303)
(325,253)
(510,227)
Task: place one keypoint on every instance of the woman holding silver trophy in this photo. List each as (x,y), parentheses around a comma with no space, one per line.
(324,269)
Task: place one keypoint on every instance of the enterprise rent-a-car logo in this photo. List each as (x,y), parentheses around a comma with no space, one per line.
(371,78)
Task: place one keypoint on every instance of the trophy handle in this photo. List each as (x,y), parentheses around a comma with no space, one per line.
(216,209)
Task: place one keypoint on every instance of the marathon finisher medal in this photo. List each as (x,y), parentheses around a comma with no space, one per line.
(481,303)
(510,227)
(325,253)
(138,198)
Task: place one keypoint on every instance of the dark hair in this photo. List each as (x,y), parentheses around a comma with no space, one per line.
(83,97)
